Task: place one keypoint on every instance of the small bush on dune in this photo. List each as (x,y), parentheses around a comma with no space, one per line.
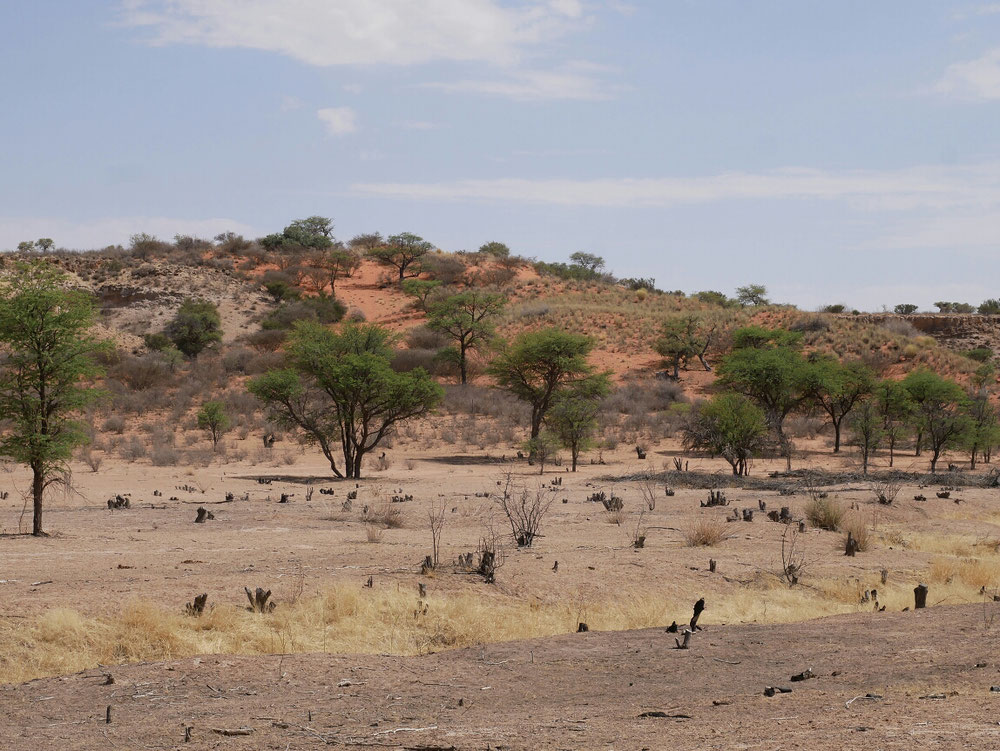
(706,533)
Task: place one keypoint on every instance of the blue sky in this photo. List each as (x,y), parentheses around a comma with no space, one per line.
(842,151)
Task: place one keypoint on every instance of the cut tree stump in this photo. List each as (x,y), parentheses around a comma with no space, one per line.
(687,638)
(197,607)
(203,515)
(258,600)
(919,596)
(711,565)
(698,608)
(851,546)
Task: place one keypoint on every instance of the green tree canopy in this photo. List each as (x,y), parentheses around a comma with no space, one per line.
(195,327)
(468,319)
(752,295)
(340,390)
(729,425)
(402,252)
(539,366)
(684,336)
(837,388)
(573,420)
(939,409)
(213,419)
(48,356)
(495,249)
(896,411)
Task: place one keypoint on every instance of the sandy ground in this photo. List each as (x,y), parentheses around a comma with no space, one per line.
(579,691)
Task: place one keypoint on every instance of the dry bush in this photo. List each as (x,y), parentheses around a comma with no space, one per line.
(388,515)
(798,426)
(856,527)
(421,337)
(825,513)
(373,533)
(616,516)
(899,327)
(523,508)
(706,532)
(92,460)
(141,373)
(114,424)
(133,450)
(885,491)
(164,455)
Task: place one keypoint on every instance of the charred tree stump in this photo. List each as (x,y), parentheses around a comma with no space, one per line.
(640,452)
(687,638)
(203,515)
(197,607)
(711,565)
(762,505)
(698,608)
(851,546)
(427,566)
(582,628)
(258,600)
(748,514)
(919,596)
(715,498)
(885,575)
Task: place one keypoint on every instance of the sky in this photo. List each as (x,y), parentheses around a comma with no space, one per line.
(837,152)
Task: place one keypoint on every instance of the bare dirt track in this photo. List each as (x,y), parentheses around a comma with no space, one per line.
(577,691)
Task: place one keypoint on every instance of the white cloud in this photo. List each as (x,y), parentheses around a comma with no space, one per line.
(571,81)
(359,32)
(934,187)
(949,207)
(99,233)
(418,125)
(977,79)
(339,121)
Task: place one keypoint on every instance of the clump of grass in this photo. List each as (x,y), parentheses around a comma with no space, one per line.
(373,533)
(825,513)
(856,527)
(615,517)
(706,533)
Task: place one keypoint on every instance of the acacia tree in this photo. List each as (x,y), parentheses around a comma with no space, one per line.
(402,252)
(339,263)
(212,418)
(539,366)
(837,388)
(983,431)
(867,429)
(468,319)
(196,325)
(48,355)
(896,410)
(768,368)
(939,411)
(729,425)
(573,420)
(685,336)
(339,388)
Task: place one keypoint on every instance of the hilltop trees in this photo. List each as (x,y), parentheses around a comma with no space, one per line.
(752,295)
(339,263)
(339,388)
(468,320)
(402,252)
(314,232)
(539,367)
(682,337)
(48,357)
(196,325)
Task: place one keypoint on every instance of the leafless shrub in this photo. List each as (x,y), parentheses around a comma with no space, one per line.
(92,460)
(793,561)
(373,533)
(638,533)
(885,491)
(436,518)
(114,424)
(523,508)
(133,449)
(387,515)
(164,455)
(648,489)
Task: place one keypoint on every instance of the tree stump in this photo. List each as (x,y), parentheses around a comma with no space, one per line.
(711,565)
(427,566)
(919,596)
(258,600)
(203,515)
(198,606)
(748,514)
(698,608)
(687,637)
(885,576)
(582,628)
(640,452)
(762,505)
(851,546)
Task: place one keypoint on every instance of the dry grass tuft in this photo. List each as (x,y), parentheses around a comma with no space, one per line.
(825,513)
(857,527)
(706,532)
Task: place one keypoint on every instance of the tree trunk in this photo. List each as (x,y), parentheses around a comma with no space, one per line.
(934,460)
(574,452)
(37,491)
(920,438)
(836,435)
(461,363)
